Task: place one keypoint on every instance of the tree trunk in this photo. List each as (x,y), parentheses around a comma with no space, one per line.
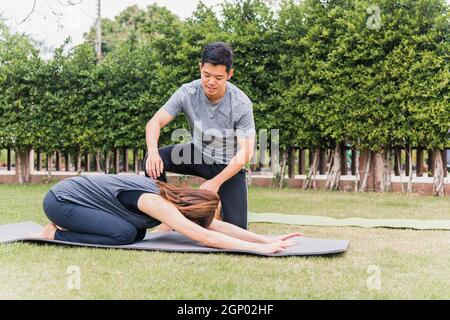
(444,162)
(301,162)
(49,166)
(386,175)
(8,159)
(79,163)
(292,162)
(283,169)
(363,186)
(107,161)
(136,161)
(438,180)
(397,161)
(97,162)
(311,177)
(334,173)
(344,158)
(419,162)
(356,167)
(407,158)
(75,162)
(39,160)
(87,162)
(116,161)
(353,166)
(46,161)
(66,161)
(322,162)
(329,166)
(125,160)
(409,169)
(57,161)
(22,166)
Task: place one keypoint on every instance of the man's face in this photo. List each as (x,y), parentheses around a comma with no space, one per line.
(214,79)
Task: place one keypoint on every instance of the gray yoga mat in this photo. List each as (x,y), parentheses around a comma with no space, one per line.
(176,242)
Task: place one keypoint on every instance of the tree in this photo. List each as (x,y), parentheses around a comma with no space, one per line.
(19,82)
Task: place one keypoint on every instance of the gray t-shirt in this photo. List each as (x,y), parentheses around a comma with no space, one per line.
(100,192)
(214,127)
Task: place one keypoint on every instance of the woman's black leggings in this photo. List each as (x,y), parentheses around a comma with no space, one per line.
(87,225)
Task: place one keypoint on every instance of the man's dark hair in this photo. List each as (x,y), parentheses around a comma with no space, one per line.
(218,53)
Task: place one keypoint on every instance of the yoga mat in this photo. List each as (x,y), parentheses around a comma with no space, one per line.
(291,219)
(176,242)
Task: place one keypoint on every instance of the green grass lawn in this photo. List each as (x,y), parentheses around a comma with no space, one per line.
(349,204)
(411,264)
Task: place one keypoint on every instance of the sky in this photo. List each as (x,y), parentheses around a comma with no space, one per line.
(53,20)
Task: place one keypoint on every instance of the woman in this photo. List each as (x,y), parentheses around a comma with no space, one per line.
(118,209)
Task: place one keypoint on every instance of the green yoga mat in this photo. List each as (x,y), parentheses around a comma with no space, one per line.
(349,222)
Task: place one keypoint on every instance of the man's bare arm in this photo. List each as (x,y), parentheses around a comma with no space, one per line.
(154,165)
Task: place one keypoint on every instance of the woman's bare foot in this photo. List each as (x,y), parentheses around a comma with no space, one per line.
(59,228)
(48,233)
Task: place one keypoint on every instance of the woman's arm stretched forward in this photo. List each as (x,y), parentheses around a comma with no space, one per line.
(164,211)
(239,233)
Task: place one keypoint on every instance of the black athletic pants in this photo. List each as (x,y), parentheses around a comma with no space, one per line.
(233,193)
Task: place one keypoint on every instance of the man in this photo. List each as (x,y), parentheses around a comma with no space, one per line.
(223,134)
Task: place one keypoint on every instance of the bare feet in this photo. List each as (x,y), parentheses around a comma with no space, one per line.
(48,233)
(59,228)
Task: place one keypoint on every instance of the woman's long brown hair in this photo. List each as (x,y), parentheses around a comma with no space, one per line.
(197,205)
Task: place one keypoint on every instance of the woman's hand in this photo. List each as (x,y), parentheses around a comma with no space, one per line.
(275,247)
(282,237)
